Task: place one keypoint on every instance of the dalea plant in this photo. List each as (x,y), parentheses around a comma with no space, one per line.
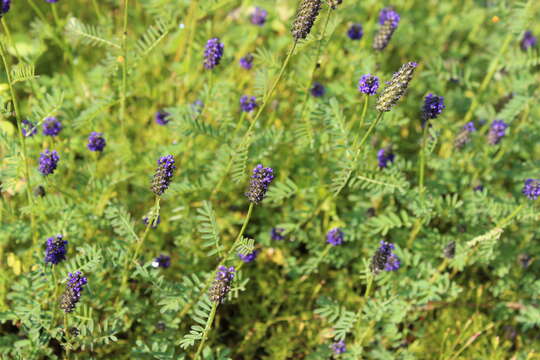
(302,179)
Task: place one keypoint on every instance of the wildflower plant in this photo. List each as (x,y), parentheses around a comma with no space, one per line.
(375,194)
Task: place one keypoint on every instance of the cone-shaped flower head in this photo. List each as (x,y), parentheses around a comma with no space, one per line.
(277,233)
(339,347)
(305,18)
(355,32)
(213,52)
(29,129)
(528,41)
(384,35)
(258,17)
(317,90)
(51,126)
(260,181)
(368,84)
(162,117)
(450,250)
(163,175)
(155,223)
(384,259)
(56,250)
(72,294)
(247,62)
(96,141)
(497,131)
(531,189)
(222,284)
(335,237)
(389,13)
(334,3)
(433,106)
(4,7)
(248,257)
(163,261)
(384,156)
(396,87)
(48,161)
(464,137)
(248,103)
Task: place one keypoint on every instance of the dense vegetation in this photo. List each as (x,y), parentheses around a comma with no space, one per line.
(273,179)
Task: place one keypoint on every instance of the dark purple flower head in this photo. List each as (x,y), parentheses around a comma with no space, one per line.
(51,126)
(163,261)
(260,181)
(4,7)
(339,347)
(213,52)
(368,84)
(497,131)
(335,237)
(531,189)
(56,249)
(449,250)
(384,156)
(163,176)
(222,284)
(389,13)
(384,259)
(155,223)
(29,129)
(479,188)
(48,161)
(317,89)
(277,233)
(395,88)
(248,257)
(52,1)
(247,62)
(162,117)
(248,103)
(355,32)
(469,127)
(258,17)
(72,294)
(528,41)
(96,141)
(433,106)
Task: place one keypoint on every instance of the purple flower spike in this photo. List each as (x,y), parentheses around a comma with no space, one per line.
(384,259)
(163,176)
(56,250)
(51,126)
(531,189)
(317,90)
(497,131)
(248,103)
(72,294)
(277,234)
(96,141)
(384,156)
(355,32)
(4,7)
(213,52)
(368,84)
(389,13)
(335,237)
(258,17)
(528,41)
(260,181)
(52,1)
(339,347)
(163,261)
(48,161)
(29,129)
(162,117)
(247,62)
(248,257)
(433,106)
(222,284)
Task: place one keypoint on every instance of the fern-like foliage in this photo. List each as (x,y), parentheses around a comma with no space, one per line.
(152,37)
(281,191)
(208,229)
(245,246)
(88,34)
(121,222)
(239,160)
(200,316)
(23,72)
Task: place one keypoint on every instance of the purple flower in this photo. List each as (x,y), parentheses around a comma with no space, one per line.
(96,141)
(497,131)
(4,7)
(197,106)
(277,233)
(56,249)
(317,90)
(222,284)
(248,103)
(163,176)
(48,161)
(213,52)
(339,347)
(368,84)
(355,32)
(260,181)
(51,126)
(389,13)
(162,117)
(528,41)
(433,106)
(155,223)
(384,259)
(464,137)
(248,257)
(469,127)
(247,62)
(52,1)
(72,294)
(163,261)
(29,129)
(384,156)
(479,188)
(334,237)
(531,189)
(258,17)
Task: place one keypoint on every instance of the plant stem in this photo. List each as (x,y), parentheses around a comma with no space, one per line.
(124,69)
(206,330)
(66,329)
(507,219)
(367,294)
(366,135)
(55,15)
(422,160)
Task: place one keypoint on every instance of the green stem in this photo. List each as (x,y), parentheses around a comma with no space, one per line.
(367,294)
(206,330)
(507,219)
(124,69)
(7,69)
(366,135)
(96,7)
(364,111)
(66,330)
(55,15)
(422,160)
